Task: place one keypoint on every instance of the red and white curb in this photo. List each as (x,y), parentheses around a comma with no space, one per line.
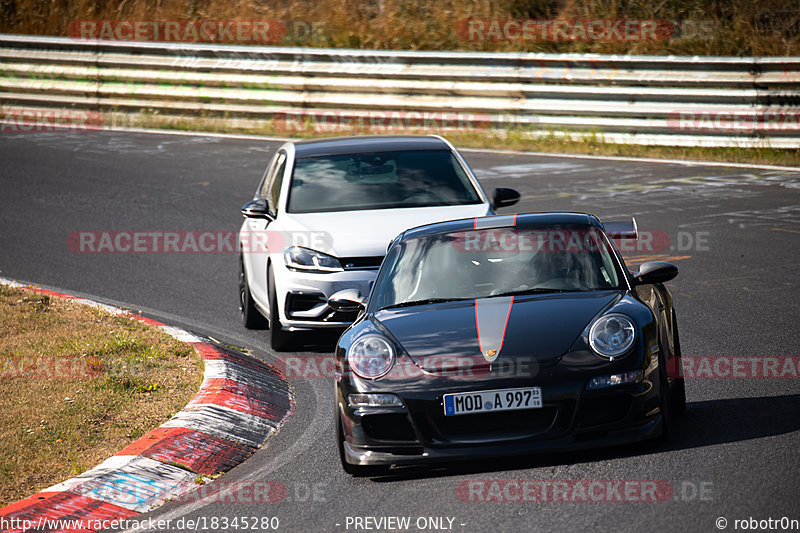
(240,404)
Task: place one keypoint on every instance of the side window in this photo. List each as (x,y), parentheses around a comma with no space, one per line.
(275,182)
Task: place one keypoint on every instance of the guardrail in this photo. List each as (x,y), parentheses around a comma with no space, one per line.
(681,101)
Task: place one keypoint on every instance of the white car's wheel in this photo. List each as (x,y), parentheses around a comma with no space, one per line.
(251,316)
(280,340)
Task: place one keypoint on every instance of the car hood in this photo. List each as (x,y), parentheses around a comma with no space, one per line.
(539,327)
(365,233)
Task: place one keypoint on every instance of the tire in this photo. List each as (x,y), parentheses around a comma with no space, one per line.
(666,401)
(354,470)
(280,340)
(679,396)
(679,383)
(251,316)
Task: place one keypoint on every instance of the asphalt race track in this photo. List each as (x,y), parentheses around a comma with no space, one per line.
(733,232)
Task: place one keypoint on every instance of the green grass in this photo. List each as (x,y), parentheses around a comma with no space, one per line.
(694,27)
(79,384)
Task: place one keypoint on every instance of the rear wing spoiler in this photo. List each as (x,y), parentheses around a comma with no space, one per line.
(622,230)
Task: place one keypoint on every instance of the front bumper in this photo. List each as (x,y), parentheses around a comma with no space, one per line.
(571,418)
(302,296)
(419,455)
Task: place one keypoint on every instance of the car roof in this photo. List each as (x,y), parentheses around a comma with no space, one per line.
(357,144)
(503,221)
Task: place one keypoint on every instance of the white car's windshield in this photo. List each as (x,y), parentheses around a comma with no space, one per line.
(495,262)
(379,180)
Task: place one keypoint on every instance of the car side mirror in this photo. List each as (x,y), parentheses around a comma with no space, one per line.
(504,197)
(346,301)
(257,208)
(655,272)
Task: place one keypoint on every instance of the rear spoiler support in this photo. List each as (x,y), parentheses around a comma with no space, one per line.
(622,230)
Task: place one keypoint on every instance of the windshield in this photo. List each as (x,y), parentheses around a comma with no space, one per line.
(379,180)
(495,262)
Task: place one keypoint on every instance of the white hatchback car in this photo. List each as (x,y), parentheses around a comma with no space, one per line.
(327,209)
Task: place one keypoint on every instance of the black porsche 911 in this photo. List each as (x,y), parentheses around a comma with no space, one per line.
(505,335)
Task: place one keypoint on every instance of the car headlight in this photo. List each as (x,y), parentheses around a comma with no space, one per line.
(299,258)
(612,335)
(371,356)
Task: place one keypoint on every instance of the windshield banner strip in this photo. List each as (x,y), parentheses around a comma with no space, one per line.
(501,221)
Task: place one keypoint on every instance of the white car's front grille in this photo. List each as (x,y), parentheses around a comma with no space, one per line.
(361,263)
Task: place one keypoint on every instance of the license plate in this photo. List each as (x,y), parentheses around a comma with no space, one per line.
(467,403)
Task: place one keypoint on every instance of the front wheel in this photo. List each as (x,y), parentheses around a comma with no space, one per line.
(666,403)
(280,340)
(251,316)
(678,383)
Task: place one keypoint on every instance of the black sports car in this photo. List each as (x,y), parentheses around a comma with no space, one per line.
(505,335)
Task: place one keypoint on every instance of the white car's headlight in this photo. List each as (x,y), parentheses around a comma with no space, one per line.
(371,356)
(299,258)
(612,335)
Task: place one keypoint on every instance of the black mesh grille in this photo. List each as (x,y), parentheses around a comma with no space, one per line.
(303,302)
(361,263)
(603,410)
(495,426)
(389,427)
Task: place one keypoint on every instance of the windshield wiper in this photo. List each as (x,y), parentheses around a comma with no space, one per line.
(424,301)
(535,290)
